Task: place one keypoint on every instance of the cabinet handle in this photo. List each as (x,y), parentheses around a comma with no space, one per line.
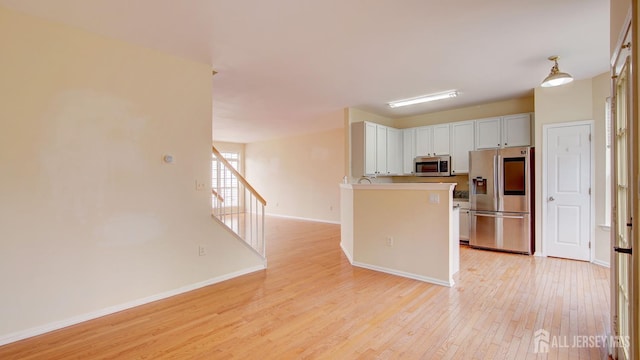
(505,144)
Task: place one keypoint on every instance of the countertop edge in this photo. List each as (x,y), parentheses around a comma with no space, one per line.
(401,186)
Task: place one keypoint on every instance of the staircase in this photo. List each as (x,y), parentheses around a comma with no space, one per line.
(236,204)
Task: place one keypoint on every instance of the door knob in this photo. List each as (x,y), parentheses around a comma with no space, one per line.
(551,198)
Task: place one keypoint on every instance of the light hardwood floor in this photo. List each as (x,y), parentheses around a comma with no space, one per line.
(312,304)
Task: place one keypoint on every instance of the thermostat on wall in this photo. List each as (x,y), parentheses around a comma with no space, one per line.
(168,159)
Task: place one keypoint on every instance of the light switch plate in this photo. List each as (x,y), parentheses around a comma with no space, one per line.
(434,198)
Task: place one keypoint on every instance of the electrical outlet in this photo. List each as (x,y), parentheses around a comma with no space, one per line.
(200,185)
(202,251)
(389,241)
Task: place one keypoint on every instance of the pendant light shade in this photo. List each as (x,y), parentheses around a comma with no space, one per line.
(556,77)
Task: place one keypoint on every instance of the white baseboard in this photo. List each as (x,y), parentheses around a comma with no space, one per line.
(303,218)
(601,263)
(404,274)
(39,330)
(346,253)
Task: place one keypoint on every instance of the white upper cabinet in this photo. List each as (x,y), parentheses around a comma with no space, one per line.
(394,151)
(505,131)
(381,149)
(376,150)
(488,133)
(424,141)
(432,140)
(441,139)
(462,136)
(516,130)
(369,155)
(408,150)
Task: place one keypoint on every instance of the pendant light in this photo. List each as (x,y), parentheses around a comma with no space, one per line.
(556,77)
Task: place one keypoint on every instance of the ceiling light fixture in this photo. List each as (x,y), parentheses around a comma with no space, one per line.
(556,77)
(424,98)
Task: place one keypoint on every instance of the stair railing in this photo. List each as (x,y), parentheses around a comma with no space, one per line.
(239,207)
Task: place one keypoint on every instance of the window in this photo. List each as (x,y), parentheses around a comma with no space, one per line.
(223,182)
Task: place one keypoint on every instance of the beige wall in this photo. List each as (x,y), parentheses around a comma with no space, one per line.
(346,222)
(299,176)
(579,100)
(500,108)
(620,11)
(90,217)
(357,115)
(420,231)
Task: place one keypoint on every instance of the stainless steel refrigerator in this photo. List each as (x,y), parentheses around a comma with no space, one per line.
(501,199)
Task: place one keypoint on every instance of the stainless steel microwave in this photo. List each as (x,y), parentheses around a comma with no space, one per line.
(432,165)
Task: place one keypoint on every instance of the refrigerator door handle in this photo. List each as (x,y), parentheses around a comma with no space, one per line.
(498,181)
(499,216)
(485,215)
(496,203)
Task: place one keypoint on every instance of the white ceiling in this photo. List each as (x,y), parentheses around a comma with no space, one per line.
(283,65)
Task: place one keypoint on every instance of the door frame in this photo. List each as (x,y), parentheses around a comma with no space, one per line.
(544,178)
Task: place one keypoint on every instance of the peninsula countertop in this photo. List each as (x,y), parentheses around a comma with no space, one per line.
(400,186)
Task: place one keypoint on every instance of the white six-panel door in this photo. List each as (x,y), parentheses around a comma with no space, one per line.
(567,202)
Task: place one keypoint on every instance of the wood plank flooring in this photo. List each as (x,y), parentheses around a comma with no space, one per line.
(312,304)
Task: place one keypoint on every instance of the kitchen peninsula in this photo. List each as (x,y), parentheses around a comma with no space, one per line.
(405,229)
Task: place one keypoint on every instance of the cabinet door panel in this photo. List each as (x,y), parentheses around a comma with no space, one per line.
(462,141)
(381,149)
(394,151)
(408,150)
(516,130)
(441,140)
(424,136)
(464,224)
(488,133)
(370,149)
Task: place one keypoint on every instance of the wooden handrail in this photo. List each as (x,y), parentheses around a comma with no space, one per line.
(238,175)
(218,196)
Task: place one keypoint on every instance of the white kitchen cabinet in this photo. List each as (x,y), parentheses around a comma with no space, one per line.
(408,150)
(488,133)
(432,140)
(462,141)
(369,142)
(424,141)
(464,219)
(441,139)
(381,149)
(504,131)
(394,151)
(516,130)
(375,150)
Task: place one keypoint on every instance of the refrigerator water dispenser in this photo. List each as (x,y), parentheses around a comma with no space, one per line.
(480,186)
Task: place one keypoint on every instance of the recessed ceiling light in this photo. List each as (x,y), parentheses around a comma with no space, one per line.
(424,98)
